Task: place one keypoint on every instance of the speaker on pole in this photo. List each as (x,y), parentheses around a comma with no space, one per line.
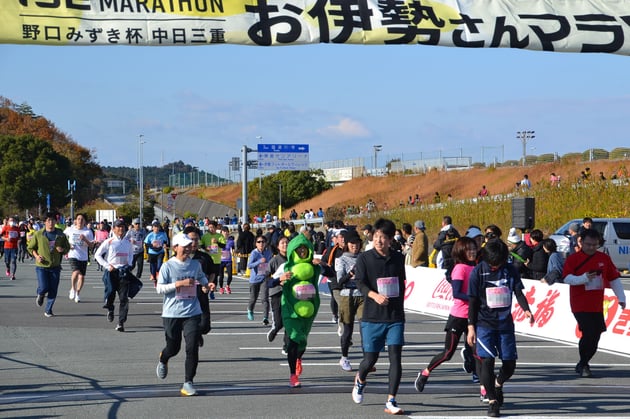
(523,213)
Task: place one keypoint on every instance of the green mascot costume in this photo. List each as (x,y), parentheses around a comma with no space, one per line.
(300,301)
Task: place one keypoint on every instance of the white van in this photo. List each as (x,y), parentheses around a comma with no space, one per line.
(616,235)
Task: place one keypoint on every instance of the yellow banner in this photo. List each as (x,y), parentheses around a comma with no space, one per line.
(543,25)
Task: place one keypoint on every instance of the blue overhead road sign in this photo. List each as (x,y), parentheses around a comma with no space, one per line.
(283,157)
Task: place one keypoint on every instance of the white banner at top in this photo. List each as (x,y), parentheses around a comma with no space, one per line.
(542,25)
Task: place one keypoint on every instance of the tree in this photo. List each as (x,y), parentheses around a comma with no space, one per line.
(297,186)
(30,169)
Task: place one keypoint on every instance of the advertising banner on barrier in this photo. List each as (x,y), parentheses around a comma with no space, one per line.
(428,292)
(543,25)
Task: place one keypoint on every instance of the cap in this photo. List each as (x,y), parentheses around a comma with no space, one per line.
(367,227)
(155,223)
(574,227)
(419,224)
(188,221)
(351,236)
(119,223)
(136,221)
(513,236)
(340,232)
(181,240)
(473,232)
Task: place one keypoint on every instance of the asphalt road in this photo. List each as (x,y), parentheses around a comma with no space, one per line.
(76,365)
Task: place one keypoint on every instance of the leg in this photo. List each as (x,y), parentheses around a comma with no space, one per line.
(53,287)
(265,300)
(123,295)
(191,336)
(173,334)
(254,290)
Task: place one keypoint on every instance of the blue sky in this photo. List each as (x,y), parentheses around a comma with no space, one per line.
(201,104)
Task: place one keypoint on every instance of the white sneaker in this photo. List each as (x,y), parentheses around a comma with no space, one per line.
(71,295)
(77,299)
(392,408)
(344,362)
(357,390)
(188,389)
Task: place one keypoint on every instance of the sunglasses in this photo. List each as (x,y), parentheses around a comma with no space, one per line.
(260,241)
(490,235)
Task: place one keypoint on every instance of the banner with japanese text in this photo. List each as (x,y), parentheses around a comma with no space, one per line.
(428,292)
(543,25)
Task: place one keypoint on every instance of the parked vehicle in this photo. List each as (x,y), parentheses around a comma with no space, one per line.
(614,231)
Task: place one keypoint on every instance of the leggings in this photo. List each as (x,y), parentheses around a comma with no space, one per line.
(487,376)
(395,366)
(293,354)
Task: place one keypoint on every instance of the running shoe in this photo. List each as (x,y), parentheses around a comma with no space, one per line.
(421,381)
(498,392)
(120,328)
(392,408)
(483,396)
(298,367)
(188,389)
(49,314)
(357,390)
(71,294)
(221,290)
(586,371)
(250,315)
(212,295)
(40,300)
(294,381)
(161,370)
(344,362)
(77,299)
(13,278)
(228,289)
(8,273)
(493,410)
(110,315)
(475,378)
(271,335)
(265,321)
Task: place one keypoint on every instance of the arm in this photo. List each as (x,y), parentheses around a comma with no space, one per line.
(522,301)
(617,288)
(457,290)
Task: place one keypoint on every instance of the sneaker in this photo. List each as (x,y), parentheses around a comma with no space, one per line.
(483,396)
(335,319)
(39,300)
(265,321)
(298,367)
(221,290)
(392,408)
(284,352)
(8,272)
(71,294)
(120,328)
(357,390)
(498,392)
(475,378)
(110,315)
(294,381)
(344,362)
(586,371)
(421,381)
(250,315)
(77,299)
(468,362)
(271,335)
(13,278)
(188,389)
(49,314)
(161,370)
(211,297)
(493,410)
(228,289)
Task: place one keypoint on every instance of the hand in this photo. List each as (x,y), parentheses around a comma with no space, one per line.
(531,317)
(211,286)
(379,298)
(471,336)
(60,249)
(622,305)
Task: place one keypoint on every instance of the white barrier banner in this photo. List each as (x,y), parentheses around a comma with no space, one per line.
(427,291)
(543,25)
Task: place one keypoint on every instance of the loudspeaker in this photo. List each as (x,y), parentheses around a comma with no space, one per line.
(523,210)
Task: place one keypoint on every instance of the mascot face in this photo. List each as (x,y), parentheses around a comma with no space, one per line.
(301,255)
(303,271)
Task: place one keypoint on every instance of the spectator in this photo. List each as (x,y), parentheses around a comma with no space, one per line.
(520,254)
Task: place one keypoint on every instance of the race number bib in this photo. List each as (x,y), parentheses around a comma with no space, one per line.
(597,283)
(263,268)
(304,291)
(388,286)
(498,297)
(188,292)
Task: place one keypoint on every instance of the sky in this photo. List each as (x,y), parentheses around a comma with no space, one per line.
(201,104)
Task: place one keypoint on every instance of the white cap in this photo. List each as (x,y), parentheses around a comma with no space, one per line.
(181,240)
(513,236)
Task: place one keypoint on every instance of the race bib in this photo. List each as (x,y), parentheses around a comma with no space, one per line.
(304,291)
(597,283)
(225,255)
(213,249)
(188,292)
(498,297)
(13,234)
(388,286)
(156,243)
(263,268)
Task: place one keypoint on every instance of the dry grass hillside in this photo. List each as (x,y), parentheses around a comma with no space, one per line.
(390,190)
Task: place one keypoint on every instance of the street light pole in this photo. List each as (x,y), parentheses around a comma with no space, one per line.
(525,136)
(72,186)
(244,152)
(279,201)
(377,148)
(141,176)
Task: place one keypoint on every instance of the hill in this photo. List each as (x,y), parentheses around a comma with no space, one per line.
(388,191)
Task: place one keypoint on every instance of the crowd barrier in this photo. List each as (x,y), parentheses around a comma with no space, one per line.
(428,292)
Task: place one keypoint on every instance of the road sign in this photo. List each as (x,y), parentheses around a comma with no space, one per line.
(283,157)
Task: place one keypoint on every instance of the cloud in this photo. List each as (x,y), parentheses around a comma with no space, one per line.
(346,127)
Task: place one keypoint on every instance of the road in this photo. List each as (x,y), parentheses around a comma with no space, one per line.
(76,365)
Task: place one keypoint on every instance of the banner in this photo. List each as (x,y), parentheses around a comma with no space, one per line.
(428,292)
(542,25)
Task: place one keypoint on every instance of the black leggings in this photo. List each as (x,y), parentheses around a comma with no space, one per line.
(293,354)
(487,376)
(395,366)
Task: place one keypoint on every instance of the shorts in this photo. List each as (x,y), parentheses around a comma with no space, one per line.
(376,335)
(350,308)
(78,265)
(493,343)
